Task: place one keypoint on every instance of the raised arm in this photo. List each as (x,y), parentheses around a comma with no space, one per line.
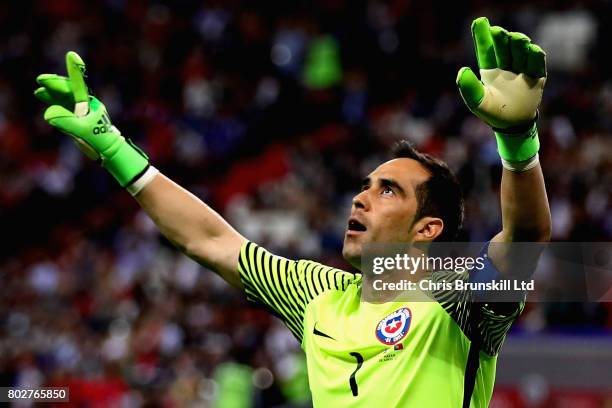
(195,228)
(513,74)
(524,205)
(190,224)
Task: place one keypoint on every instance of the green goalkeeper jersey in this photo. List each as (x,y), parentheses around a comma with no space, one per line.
(395,354)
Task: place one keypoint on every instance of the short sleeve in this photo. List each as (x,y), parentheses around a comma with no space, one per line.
(285,287)
(487,323)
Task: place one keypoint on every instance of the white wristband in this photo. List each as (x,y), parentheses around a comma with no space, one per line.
(142,181)
(520,167)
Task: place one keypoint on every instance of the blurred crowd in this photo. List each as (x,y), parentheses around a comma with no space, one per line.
(271,112)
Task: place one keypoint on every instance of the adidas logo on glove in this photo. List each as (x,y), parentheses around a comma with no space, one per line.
(105,125)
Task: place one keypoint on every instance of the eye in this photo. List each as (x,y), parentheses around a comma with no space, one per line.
(364,187)
(386,190)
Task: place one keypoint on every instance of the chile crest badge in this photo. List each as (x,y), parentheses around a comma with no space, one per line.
(394,327)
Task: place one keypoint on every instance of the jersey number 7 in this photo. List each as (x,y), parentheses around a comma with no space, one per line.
(352,380)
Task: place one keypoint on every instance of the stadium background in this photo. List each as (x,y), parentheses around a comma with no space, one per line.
(271,112)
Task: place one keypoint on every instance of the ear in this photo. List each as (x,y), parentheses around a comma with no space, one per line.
(427,229)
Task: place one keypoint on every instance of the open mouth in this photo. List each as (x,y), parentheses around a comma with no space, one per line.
(354,225)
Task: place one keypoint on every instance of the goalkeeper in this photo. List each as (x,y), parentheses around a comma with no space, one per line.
(362,354)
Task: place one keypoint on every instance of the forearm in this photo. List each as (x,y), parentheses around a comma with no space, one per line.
(192,226)
(524,206)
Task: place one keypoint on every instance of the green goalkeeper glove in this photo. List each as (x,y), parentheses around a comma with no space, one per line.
(513,73)
(80,115)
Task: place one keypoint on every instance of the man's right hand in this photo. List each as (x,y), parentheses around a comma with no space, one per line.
(196,229)
(94,133)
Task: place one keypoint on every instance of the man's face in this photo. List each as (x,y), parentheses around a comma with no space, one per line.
(384,210)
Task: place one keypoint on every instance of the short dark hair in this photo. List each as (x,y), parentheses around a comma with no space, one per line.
(440,196)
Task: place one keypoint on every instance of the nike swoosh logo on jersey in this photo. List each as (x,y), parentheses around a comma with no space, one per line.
(320,333)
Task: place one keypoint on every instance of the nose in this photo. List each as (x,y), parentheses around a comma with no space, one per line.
(361,201)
